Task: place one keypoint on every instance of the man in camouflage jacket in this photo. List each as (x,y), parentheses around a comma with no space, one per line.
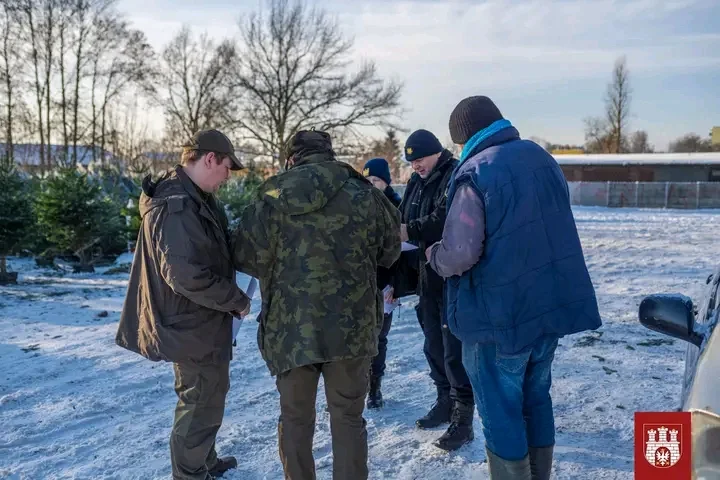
(315,237)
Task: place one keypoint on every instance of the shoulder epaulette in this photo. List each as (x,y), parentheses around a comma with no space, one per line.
(176,204)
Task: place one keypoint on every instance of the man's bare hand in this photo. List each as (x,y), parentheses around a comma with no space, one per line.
(243,314)
(403,233)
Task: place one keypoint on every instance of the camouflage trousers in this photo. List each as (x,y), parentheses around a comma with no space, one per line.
(346,385)
(201,391)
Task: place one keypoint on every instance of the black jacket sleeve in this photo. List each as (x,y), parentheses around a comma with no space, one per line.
(429,228)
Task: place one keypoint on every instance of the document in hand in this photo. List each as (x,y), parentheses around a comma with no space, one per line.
(406,247)
(250,292)
(389,307)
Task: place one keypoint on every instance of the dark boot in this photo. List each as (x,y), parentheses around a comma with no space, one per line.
(460,430)
(375,398)
(541,462)
(440,413)
(501,469)
(223,465)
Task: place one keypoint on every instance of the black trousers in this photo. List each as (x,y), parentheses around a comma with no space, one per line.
(377,369)
(443,351)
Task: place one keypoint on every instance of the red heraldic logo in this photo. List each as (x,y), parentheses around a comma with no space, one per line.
(663,442)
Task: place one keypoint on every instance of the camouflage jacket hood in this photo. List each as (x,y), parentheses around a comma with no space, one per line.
(308,186)
(315,237)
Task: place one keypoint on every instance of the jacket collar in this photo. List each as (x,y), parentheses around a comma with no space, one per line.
(193,191)
(503,136)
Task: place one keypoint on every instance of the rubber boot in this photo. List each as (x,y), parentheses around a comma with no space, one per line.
(541,462)
(501,469)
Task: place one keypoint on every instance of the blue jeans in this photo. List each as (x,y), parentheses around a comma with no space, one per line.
(513,396)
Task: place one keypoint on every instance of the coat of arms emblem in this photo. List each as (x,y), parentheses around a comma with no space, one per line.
(662,444)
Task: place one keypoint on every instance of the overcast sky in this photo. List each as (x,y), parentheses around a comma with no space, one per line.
(545,63)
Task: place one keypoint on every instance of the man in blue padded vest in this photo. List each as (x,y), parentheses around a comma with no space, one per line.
(516,282)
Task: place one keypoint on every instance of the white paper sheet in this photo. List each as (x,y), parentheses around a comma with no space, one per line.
(389,307)
(408,246)
(250,292)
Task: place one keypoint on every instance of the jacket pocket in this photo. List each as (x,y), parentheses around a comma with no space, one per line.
(513,364)
(180,320)
(450,292)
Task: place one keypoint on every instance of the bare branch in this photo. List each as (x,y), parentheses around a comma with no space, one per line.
(293,72)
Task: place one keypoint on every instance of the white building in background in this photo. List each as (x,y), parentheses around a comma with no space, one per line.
(27,156)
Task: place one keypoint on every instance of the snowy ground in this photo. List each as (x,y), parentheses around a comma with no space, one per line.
(73,405)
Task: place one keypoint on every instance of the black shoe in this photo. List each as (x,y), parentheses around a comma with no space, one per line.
(439,413)
(375,398)
(460,430)
(223,465)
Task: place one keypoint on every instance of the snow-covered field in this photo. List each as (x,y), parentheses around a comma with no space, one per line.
(74,405)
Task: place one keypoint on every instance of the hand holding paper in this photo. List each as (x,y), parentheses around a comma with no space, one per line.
(403,233)
(239,316)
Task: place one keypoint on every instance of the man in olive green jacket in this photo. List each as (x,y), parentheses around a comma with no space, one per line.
(182,296)
(315,237)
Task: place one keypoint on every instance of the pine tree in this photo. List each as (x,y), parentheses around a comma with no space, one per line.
(132,211)
(237,194)
(16,216)
(76,215)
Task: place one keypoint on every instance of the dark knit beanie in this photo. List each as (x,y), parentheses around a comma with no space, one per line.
(377,167)
(470,116)
(421,144)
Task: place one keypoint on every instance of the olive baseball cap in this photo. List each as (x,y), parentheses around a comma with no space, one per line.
(214,141)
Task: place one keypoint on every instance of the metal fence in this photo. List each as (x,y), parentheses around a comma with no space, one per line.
(687,195)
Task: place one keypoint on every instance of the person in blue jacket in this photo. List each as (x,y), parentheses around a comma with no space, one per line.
(516,281)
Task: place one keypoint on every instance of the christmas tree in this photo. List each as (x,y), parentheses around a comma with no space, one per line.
(76,215)
(16,216)
(238,193)
(131,212)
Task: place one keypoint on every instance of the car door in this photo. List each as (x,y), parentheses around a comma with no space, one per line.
(706,313)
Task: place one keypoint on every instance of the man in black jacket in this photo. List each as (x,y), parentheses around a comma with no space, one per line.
(423,212)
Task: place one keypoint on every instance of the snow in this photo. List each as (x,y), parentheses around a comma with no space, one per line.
(73,405)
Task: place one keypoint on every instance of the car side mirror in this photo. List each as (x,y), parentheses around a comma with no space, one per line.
(673,315)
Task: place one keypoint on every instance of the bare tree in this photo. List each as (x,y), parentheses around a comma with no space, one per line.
(598,138)
(10,66)
(639,142)
(120,57)
(129,137)
(293,72)
(49,50)
(389,149)
(542,142)
(617,103)
(87,15)
(32,26)
(607,135)
(691,143)
(195,92)
(64,24)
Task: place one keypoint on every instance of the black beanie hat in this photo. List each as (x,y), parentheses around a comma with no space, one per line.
(378,167)
(421,144)
(470,116)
